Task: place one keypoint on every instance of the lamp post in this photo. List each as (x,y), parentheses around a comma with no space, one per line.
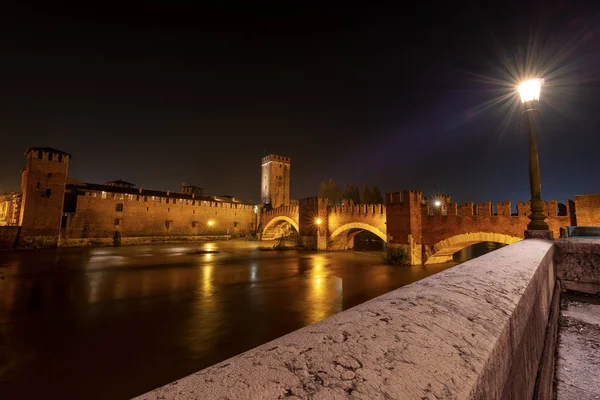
(530,97)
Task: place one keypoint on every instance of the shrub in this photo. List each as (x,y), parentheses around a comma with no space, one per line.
(395,256)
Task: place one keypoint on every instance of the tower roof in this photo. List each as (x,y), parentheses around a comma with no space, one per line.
(47,149)
(277,158)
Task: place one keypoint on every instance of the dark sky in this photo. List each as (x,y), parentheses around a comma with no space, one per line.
(164,92)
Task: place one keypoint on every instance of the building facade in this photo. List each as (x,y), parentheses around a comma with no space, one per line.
(10,209)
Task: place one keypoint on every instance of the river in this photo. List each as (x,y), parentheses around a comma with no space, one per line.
(115,322)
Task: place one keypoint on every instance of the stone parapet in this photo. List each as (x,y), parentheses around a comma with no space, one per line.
(578,264)
(475,331)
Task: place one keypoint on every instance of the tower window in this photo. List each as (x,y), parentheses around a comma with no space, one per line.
(119,207)
(48,192)
(167,224)
(117,221)
(49,156)
(60,158)
(194,223)
(39,155)
(49,175)
(38,185)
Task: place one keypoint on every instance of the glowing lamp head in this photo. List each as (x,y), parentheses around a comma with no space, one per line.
(437,203)
(211,222)
(530,90)
(319,221)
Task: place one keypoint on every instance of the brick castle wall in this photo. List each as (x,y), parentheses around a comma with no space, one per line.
(482,217)
(99,217)
(369,214)
(587,208)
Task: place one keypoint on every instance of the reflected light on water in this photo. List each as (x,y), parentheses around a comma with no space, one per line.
(317,293)
(253,269)
(99,252)
(208,256)
(207,285)
(94,283)
(209,247)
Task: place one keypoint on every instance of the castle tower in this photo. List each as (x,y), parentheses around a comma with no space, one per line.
(43,184)
(275,182)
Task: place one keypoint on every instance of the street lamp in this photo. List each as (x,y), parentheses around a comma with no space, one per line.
(318,221)
(437,203)
(211,222)
(530,97)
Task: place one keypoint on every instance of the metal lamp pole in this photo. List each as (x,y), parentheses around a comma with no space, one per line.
(530,96)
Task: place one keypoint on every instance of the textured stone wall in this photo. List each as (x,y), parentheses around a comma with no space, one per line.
(43,187)
(8,236)
(578,262)
(403,216)
(475,331)
(587,209)
(97,217)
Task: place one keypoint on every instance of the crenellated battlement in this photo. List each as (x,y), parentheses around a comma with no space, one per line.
(276,158)
(503,209)
(406,196)
(354,209)
(283,210)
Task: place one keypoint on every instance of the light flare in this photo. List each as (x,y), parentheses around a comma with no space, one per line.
(529,90)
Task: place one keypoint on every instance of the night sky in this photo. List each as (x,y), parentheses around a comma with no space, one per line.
(163,92)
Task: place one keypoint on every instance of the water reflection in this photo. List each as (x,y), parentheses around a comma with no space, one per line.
(69,316)
(476,250)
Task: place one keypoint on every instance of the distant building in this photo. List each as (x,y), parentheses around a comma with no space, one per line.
(190,189)
(10,209)
(120,183)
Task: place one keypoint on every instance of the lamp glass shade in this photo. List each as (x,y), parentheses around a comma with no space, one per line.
(530,90)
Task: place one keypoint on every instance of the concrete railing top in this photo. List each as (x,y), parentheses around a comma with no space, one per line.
(469,332)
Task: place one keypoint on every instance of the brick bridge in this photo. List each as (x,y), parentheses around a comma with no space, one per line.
(430,234)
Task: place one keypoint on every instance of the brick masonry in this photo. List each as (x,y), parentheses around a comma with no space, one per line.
(407,220)
(138,216)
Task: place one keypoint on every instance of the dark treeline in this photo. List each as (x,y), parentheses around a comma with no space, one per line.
(351,193)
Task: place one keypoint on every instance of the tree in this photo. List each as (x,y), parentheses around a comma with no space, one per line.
(366,197)
(351,193)
(332,191)
(376,196)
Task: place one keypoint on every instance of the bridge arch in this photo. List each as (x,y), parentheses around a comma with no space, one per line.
(275,225)
(344,235)
(443,250)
